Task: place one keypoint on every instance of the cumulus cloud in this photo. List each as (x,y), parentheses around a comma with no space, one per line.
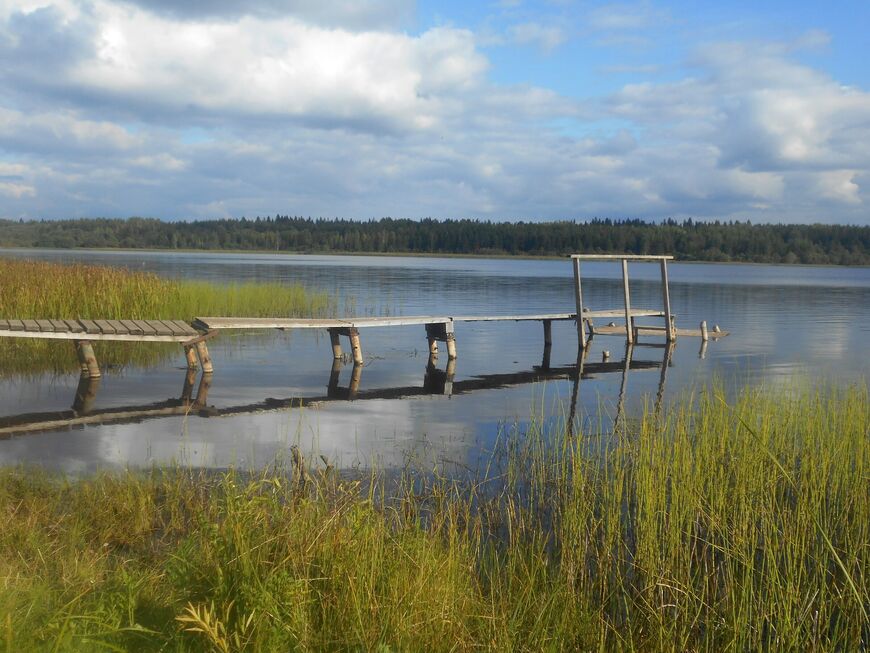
(142,108)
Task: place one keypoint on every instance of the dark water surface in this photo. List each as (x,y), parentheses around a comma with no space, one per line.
(785,323)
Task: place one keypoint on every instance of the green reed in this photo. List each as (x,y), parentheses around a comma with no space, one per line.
(40,290)
(709,527)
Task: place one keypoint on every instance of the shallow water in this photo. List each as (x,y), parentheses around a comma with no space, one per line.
(272,391)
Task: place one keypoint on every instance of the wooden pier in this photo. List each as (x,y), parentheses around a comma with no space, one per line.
(439,329)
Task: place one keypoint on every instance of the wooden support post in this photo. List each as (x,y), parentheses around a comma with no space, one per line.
(88,359)
(353,334)
(83,363)
(204,358)
(629,322)
(548,333)
(704,335)
(190,354)
(202,390)
(578,301)
(666,302)
(433,346)
(336,343)
(451,346)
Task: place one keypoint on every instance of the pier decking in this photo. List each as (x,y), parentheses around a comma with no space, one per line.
(439,328)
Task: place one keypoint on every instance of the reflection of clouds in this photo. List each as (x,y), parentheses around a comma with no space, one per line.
(380,434)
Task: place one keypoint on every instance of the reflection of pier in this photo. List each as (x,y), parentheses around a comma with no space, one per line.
(436,382)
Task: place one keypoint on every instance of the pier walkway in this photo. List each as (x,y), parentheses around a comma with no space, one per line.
(439,328)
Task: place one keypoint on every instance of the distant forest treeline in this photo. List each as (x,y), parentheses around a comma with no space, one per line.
(704,241)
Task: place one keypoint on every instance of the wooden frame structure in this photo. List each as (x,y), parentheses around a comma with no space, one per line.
(584,315)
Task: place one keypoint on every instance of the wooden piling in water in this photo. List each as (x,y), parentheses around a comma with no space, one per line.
(88,359)
(578,301)
(335,341)
(666,302)
(629,321)
(704,334)
(355,346)
(190,354)
(548,333)
(204,358)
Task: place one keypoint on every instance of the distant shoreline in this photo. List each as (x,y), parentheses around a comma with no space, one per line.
(523,257)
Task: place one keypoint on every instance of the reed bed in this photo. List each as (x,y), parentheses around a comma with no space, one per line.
(712,527)
(36,289)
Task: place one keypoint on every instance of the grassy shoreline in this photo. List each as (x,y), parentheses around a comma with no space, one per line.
(44,290)
(708,527)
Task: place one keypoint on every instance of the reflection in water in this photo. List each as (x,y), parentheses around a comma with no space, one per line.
(435,382)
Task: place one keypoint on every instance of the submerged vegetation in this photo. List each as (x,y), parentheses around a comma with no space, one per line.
(709,527)
(37,290)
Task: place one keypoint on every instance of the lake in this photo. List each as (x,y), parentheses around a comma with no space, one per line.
(273,390)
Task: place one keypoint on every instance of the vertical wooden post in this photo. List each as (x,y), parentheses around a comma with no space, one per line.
(83,363)
(629,322)
(433,346)
(190,354)
(204,358)
(578,301)
(451,341)
(88,359)
(355,346)
(335,342)
(666,301)
(548,333)
(705,336)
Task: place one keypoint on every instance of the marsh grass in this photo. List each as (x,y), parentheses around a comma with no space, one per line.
(37,290)
(712,527)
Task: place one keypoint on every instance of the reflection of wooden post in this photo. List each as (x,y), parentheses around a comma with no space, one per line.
(355,346)
(666,301)
(190,354)
(703,352)
(204,358)
(355,376)
(187,388)
(88,359)
(578,301)
(629,323)
(86,394)
(202,391)
(666,362)
(334,373)
(336,343)
(623,386)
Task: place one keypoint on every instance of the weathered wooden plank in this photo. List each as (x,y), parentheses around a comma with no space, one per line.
(159,327)
(60,326)
(16,325)
(622,257)
(302,323)
(45,326)
(551,317)
(120,337)
(74,326)
(183,328)
(173,329)
(107,327)
(91,326)
(635,312)
(4,325)
(139,327)
(31,325)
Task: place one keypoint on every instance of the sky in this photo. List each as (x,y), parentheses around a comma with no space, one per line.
(502,110)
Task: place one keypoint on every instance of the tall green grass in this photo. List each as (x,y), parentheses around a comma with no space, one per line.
(37,290)
(715,527)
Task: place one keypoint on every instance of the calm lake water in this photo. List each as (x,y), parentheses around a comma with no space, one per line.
(786,323)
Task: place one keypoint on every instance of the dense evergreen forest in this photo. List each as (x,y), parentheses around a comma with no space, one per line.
(688,240)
